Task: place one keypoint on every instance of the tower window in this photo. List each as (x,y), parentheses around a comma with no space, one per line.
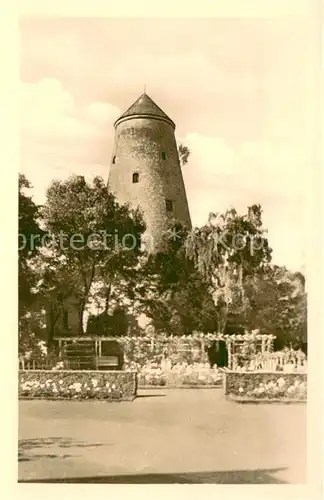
(135,177)
(114,159)
(169,205)
(163,155)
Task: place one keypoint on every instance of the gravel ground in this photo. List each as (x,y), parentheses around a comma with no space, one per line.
(164,436)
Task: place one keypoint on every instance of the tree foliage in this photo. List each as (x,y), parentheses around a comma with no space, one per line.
(225,251)
(277,304)
(170,291)
(184,154)
(29,239)
(117,323)
(205,279)
(92,236)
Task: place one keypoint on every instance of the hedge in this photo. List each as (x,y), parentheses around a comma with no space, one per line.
(77,385)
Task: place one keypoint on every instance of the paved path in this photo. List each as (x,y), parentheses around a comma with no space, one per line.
(164,436)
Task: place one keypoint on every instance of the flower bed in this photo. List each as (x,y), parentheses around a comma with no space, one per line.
(266,386)
(179,375)
(77,385)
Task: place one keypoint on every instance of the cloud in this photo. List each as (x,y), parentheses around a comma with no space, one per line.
(48,110)
(210,153)
(60,137)
(218,176)
(268,169)
(103,113)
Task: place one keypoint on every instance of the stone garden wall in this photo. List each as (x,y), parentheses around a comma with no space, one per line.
(265,386)
(77,385)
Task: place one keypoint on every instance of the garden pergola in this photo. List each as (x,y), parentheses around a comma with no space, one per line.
(235,343)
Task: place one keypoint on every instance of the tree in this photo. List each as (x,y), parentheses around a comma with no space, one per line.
(29,242)
(225,251)
(188,309)
(114,324)
(31,331)
(184,154)
(92,236)
(58,282)
(170,291)
(277,304)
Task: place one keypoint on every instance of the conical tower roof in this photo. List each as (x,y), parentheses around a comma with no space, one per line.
(144,106)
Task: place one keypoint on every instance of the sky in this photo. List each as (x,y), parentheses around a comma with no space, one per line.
(239,90)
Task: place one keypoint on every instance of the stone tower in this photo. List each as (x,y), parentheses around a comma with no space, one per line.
(145,168)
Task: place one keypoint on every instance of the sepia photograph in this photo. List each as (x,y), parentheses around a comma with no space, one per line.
(163,186)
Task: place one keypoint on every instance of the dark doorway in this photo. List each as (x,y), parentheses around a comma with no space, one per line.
(217,353)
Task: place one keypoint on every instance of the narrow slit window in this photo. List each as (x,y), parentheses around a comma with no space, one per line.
(169,205)
(114,159)
(163,155)
(135,177)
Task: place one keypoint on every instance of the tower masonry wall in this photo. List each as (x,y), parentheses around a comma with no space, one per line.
(138,147)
